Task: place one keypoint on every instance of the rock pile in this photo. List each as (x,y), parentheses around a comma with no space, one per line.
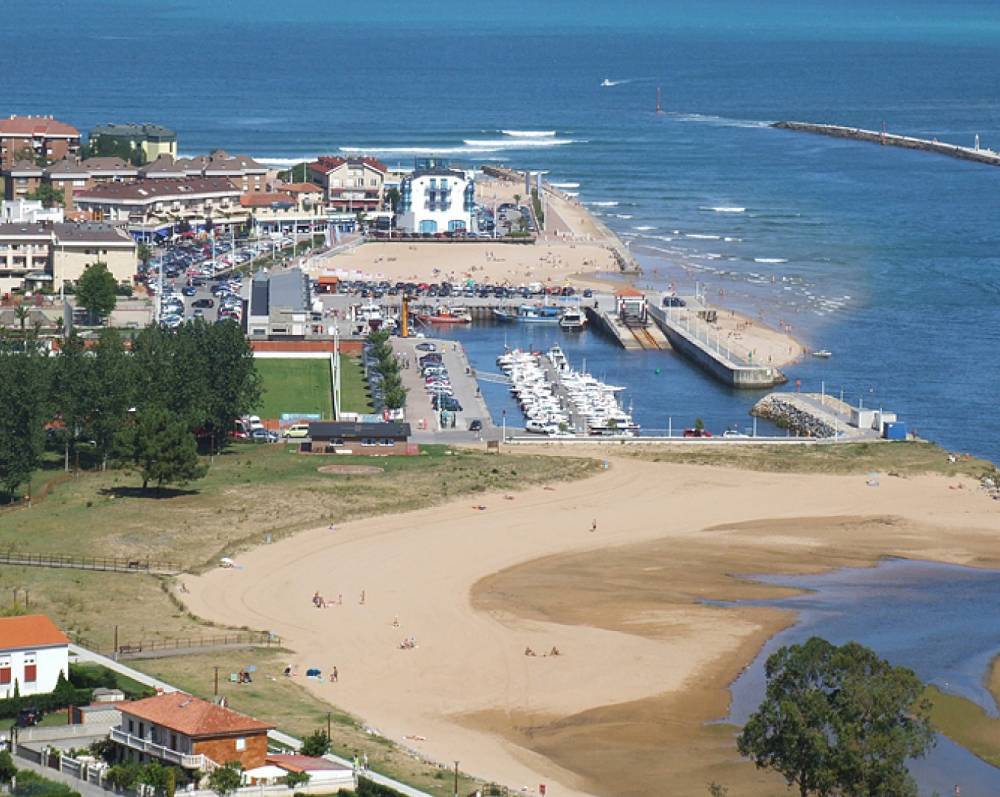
(786,414)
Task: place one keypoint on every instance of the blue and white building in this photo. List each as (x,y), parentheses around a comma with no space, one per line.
(436,198)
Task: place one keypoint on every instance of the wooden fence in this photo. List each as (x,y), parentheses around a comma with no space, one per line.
(110,564)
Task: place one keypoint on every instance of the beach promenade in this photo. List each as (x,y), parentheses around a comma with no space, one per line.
(643,662)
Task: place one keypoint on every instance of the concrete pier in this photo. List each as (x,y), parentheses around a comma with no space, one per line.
(812,415)
(694,339)
(976,154)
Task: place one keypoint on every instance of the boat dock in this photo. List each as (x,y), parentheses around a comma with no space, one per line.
(629,337)
(819,415)
(689,332)
(976,153)
(578,421)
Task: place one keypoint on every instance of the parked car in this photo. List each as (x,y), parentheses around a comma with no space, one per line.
(697,433)
(203,303)
(264,436)
(475,425)
(426,347)
(297,430)
(28,716)
(189,290)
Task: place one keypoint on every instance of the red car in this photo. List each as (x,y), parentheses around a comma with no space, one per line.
(697,433)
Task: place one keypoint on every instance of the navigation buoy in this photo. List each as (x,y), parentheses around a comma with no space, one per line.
(657,371)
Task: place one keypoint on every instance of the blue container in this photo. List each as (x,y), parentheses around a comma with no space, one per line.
(894,431)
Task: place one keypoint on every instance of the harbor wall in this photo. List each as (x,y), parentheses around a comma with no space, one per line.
(749,377)
(987,156)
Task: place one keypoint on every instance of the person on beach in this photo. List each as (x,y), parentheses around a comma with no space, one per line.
(593,525)
(334,675)
(362,597)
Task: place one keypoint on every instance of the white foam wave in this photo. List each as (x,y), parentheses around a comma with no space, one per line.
(282,163)
(725,209)
(565,185)
(529,133)
(572,193)
(518,143)
(701,237)
(770,260)
(604,204)
(625,216)
(607,83)
(644,228)
(417,150)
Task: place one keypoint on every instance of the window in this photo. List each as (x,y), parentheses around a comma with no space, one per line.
(241,744)
(131,727)
(5,671)
(173,741)
(142,730)
(30,668)
(369,441)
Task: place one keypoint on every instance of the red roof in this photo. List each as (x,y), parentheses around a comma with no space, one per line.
(29,631)
(302,763)
(36,126)
(260,199)
(192,716)
(629,292)
(327,163)
(301,188)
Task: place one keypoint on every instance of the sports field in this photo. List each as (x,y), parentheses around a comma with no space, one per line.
(294,386)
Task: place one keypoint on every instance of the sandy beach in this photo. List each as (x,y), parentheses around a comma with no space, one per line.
(642,664)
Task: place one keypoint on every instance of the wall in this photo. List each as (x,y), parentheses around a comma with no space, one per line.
(398,448)
(49,663)
(224,750)
(69,262)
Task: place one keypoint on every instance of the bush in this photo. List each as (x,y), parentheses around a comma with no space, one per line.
(31,785)
(369,788)
(316,744)
(64,695)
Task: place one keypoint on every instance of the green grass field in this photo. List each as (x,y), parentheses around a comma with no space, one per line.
(353,388)
(294,386)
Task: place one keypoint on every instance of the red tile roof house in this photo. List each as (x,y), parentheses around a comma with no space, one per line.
(351,184)
(33,652)
(44,136)
(321,771)
(198,736)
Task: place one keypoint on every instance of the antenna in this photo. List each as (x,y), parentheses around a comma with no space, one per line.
(659,100)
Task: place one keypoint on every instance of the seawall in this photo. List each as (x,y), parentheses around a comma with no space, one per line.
(986,156)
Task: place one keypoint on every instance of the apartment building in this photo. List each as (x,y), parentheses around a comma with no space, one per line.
(43,136)
(149,139)
(436,198)
(350,184)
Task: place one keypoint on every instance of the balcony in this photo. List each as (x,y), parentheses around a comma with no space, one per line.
(184,760)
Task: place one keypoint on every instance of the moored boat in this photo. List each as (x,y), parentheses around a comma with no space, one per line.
(446,315)
(572,320)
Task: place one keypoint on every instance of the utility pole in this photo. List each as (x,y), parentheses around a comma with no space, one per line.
(329,727)
(216,681)
(456,779)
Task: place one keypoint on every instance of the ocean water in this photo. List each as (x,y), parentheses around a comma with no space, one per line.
(889,258)
(951,647)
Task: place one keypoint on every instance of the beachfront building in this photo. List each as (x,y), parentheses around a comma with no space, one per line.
(350,185)
(157,206)
(36,138)
(342,437)
(436,198)
(242,171)
(140,143)
(44,254)
(184,731)
(293,208)
(33,653)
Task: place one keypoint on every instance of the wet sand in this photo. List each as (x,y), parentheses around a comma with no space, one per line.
(643,663)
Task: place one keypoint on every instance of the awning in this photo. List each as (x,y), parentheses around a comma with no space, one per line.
(266,772)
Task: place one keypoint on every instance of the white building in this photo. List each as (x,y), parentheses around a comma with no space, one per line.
(436,198)
(27,211)
(32,654)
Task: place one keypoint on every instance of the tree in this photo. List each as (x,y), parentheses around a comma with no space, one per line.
(699,424)
(234,385)
(161,448)
(7,768)
(96,290)
(73,391)
(225,780)
(316,744)
(48,195)
(392,197)
(113,390)
(24,388)
(160,778)
(517,200)
(22,314)
(145,253)
(124,775)
(839,720)
(293,779)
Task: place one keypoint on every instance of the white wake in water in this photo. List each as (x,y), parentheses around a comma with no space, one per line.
(724,209)
(528,133)
(770,260)
(519,143)
(718,121)
(565,185)
(608,204)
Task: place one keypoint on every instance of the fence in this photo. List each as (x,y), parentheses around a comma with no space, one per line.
(151,648)
(111,564)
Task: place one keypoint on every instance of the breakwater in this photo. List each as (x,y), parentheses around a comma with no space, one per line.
(977,154)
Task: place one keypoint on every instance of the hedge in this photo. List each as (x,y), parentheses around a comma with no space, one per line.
(64,695)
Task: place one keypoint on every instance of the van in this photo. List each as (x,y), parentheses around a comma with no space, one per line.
(297,430)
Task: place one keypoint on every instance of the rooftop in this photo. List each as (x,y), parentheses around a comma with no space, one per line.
(151,190)
(262,199)
(288,290)
(301,188)
(133,130)
(348,429)
(90,232)
(293,762)
(24,126)
(192,716)
(327,163)
(29,631)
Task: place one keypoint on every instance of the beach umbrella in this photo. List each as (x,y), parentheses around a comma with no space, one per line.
(251,668)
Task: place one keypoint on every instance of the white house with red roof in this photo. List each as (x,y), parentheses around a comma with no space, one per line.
(351,184)
(33,652)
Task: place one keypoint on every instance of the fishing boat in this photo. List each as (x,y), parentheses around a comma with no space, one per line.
(446,315)
(572,320)
(823,354)
(606,83)
(529,314)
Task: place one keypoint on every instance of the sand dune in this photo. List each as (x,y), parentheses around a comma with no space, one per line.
(642,663)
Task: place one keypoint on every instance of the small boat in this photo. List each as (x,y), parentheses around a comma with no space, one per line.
(529,314)
(823,354)
(447,315)
(573,320)
(606,83)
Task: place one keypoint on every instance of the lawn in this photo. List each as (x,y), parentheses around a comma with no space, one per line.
(283,701)
(904,458)
(249,492)
(353,388)
(294,386)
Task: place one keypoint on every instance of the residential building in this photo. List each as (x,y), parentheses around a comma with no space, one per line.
(279,304)
(241,170)
(21,179)
(149,206)
(351,185)
(27,211)
(328,437)
(196,735)
(321,771)
(45,137)
(46,255)
(436,198)
(149,139)
(33,653)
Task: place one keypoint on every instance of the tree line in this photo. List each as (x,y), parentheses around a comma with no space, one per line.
(393,392)
(146,403)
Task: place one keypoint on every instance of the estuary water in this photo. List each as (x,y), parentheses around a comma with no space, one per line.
(950,646)
(889,258)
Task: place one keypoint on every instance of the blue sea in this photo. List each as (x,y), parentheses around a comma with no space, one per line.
(889,258)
